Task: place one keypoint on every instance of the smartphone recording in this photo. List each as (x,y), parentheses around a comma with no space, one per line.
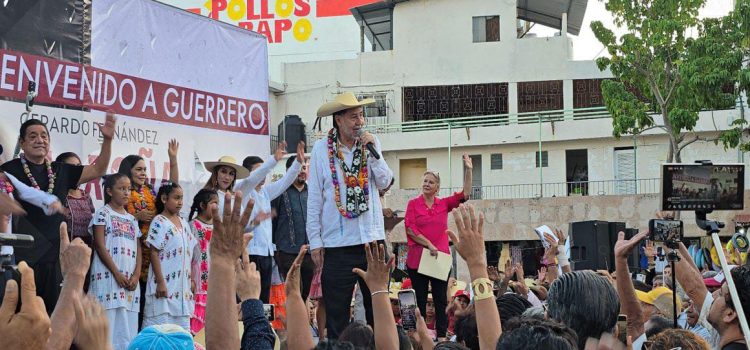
(665,230)
(703,187)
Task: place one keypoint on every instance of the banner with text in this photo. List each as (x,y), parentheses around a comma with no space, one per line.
(171,74)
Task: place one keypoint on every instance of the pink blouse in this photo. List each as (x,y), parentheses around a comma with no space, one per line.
(430,223)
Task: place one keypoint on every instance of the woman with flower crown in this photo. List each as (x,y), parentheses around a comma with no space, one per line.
(142,203)
(34,169)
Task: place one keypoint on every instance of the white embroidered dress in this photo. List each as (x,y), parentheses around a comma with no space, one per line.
(120,238)
(176,248)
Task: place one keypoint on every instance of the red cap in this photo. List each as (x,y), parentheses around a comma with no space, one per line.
(462,292)
(406,283)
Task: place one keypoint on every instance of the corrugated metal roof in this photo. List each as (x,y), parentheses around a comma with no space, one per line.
(549,12)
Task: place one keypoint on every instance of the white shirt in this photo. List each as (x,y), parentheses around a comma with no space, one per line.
(326,227)
(29,194)
(262,242)
(248,184)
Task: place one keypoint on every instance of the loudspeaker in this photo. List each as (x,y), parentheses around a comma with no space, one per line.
(614,229)
(292,129)
(589,245)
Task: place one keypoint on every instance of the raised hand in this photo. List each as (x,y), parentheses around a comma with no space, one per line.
(29,328)
(263,216)
(247,276)
(493,274)
(75,257)
(378,270)
(108,129)
(624,247)
(173,148)
(541,275)
(467,162)
(561,237)
(228,234)
(650,250)
(301,152)
(280,151)
(93,325)
(509,270)
(470,239)
(292,277)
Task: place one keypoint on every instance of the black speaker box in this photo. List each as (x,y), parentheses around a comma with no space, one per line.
(614,229)
(589,245)
(292,129)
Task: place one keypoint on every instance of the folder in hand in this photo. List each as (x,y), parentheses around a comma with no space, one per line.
(435,266)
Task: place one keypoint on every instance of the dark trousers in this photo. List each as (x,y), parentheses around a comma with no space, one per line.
(48,278)
(264,264)
(420,284)
(338,282)
(307,270)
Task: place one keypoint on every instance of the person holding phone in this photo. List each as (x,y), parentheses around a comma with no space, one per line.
(426,222)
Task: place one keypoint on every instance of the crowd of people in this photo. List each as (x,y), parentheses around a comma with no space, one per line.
(136,273)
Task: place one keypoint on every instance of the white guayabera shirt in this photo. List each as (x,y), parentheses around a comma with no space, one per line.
(326,227)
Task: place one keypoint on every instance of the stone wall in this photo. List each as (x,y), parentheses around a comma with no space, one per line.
(515,219)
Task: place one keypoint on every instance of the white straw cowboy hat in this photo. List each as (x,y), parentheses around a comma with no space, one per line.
(342,102)
(228,161)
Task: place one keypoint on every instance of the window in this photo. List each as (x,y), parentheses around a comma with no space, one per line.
(544,159)
(537,96)
(454,101)
(377,109)
(496,161)
(486,28)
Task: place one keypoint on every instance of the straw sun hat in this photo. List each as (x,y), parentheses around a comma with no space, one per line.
(342,102)
(231,162)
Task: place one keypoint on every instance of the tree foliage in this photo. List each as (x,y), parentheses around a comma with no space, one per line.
(668,67)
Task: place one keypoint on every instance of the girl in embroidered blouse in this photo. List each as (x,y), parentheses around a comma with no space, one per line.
(202,226)
(142,201)
(426,222)
(174,252)
(116,267)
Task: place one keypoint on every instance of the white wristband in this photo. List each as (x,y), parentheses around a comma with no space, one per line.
(562,259)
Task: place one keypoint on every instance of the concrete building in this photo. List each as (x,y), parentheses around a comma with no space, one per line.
(454,77)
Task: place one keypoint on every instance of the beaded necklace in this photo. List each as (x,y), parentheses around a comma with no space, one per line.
(50,174)
(356,178)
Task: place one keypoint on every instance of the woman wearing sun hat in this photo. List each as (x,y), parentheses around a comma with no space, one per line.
(227,175)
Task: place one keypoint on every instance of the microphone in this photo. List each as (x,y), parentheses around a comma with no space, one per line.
(30,96)
(370,146)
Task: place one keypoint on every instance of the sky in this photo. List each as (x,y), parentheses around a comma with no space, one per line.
(587,47)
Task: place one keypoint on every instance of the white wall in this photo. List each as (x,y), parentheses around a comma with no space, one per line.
(519,166)
(440,53)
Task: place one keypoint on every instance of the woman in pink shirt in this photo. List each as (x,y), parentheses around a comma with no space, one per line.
(426,222)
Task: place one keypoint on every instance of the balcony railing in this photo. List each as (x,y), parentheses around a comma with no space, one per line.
(491,120)
(562,189)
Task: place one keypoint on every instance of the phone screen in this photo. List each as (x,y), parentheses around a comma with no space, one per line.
(408,304)
(622,327)
(268,310)
(664,230)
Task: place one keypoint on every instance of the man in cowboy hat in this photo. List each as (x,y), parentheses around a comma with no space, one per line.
(344,212)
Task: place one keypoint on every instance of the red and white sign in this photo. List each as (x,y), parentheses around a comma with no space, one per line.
(75,85)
